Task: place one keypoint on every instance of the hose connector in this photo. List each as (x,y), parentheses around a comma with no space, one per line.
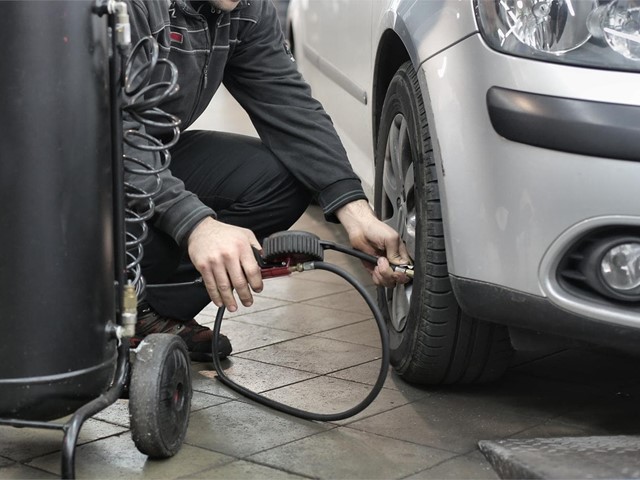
(122,33)
(123,26)
(129,311)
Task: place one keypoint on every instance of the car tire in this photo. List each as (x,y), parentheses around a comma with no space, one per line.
(433,342)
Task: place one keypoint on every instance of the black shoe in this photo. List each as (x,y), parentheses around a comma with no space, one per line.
(198,338)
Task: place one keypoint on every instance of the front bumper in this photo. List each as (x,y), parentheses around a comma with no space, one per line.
(593,129)
(527,151)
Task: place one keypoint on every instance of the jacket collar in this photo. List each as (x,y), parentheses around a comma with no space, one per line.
(194,6)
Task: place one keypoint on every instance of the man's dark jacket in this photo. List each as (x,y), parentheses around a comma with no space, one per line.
(245,49)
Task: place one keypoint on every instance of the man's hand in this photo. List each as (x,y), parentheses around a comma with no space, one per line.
(222,254)
(370,235)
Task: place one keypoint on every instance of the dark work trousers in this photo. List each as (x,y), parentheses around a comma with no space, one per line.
(245,184)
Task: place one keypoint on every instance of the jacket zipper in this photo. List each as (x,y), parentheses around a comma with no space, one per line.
(205,75)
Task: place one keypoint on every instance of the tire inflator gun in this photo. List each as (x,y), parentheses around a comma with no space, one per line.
(297,251)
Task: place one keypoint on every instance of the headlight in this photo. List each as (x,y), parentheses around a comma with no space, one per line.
(600,33)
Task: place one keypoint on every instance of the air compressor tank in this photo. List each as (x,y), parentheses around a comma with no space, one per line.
(56,222)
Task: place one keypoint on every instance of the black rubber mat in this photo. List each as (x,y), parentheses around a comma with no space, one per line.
(607,457)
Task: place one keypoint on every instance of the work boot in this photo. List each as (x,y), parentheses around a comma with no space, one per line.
(198,338)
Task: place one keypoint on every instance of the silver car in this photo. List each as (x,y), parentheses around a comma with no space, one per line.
(501,138)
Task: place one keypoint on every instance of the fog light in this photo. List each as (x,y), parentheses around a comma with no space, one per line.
(620,267)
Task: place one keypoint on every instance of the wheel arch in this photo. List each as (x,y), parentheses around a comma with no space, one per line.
(390,55)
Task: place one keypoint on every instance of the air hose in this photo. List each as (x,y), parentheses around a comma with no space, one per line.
(141,104)
(295,251)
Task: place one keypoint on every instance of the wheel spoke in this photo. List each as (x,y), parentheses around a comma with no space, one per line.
(395,220)
(389,185)
(398,153)
(400,298)
(409,182)
(390,174)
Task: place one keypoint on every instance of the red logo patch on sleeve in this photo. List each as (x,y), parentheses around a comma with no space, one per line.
(176,37)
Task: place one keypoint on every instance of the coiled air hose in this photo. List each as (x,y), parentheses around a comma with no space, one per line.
(141,104)
(307,249)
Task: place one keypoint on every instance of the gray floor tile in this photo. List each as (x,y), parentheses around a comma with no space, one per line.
(473,466)
(242,470)
(314,354)
(361,333)
(18,472)
(117,457)
(202,400)
(302,318)
(258,376)
(551,428)
(368,373)
(203,380)
(349,301)
(346,453)
(606,416)
(592,366)
(332,395)
(25,443)
(530,395)
(450,422)
(260,303)
(116,413)
(240,429)
(246,336)
(296,288)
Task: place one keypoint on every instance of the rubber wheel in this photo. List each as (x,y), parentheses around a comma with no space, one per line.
(433,342)
(160,395)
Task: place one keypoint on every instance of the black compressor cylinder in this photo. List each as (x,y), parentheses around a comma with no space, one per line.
(56,223)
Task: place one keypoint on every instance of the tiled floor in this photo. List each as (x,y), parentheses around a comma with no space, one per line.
(310,341)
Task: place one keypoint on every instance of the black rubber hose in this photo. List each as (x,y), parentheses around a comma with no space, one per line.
(324,417)
(349,251)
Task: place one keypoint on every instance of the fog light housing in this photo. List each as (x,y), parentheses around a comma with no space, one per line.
(620,267)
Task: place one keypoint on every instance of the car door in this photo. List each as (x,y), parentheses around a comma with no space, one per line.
(337,62)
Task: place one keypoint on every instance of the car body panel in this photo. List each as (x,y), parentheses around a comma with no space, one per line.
(426,27)
(522,197)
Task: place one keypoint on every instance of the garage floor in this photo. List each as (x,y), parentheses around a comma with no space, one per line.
(310,341)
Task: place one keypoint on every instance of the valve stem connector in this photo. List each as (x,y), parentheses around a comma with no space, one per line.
(408,270)
(123,26)
(129,311)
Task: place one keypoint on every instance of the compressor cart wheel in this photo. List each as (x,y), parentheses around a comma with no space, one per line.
(160,395)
